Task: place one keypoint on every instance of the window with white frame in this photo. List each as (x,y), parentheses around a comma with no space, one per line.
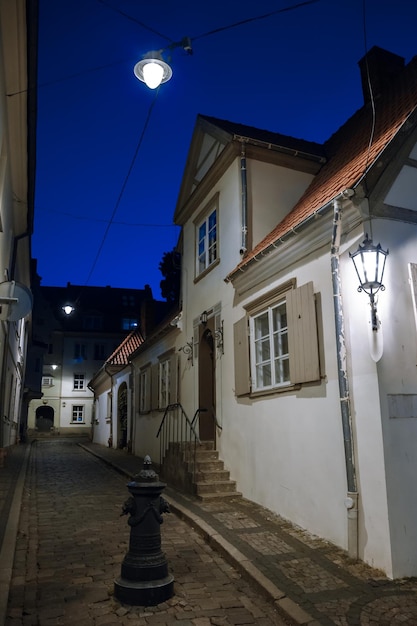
(79,382)
(161,382)
(77,413)
(207,238)
(276,342)
(47,381)
(269,347)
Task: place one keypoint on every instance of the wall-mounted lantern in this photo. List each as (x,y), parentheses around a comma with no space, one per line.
(369,261)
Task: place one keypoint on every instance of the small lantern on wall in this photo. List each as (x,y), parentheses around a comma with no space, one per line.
(369,261)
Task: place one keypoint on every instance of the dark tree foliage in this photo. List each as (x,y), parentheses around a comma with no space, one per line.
(170,268)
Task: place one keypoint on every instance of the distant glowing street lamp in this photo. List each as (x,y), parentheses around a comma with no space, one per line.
(153,70)
(369,261)
(68,309)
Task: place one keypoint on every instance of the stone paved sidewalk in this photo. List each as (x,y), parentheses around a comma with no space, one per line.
(72,540)
(311,580)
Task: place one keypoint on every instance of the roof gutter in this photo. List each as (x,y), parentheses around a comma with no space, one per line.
(276,147)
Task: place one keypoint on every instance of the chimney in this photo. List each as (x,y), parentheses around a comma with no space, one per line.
(381,66)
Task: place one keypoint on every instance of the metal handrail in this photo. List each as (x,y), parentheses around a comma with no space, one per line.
(177,428)
(214,416)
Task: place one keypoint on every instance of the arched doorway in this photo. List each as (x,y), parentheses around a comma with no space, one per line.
(44,418)
(207,382)
(122,415)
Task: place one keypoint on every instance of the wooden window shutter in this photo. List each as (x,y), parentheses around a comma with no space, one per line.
(302,335)
(148,385)
(173,382)
(155,387)
(242,365)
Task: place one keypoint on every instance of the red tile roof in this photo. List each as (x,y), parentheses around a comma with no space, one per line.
(122,353)
(350,153)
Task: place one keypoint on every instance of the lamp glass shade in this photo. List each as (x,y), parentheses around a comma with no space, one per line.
(152,70)
(369,261)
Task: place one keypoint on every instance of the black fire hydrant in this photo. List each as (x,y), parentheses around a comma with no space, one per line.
(145,579)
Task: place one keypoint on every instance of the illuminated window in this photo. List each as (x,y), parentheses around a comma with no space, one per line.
(79,382)
(78,413)
(129,323)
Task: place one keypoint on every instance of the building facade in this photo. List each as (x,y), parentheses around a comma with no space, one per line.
(306,386)
(78,343)
(18,34)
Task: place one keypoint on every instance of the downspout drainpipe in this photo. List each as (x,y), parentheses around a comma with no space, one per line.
(244,201)
(111,406)
(132,407)
(351,501)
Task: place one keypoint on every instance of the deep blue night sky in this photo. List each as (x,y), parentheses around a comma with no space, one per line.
(295,72)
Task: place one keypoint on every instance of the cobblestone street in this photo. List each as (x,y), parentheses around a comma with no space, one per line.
(71,543)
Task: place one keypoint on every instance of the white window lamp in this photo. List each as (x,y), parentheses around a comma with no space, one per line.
(369,261)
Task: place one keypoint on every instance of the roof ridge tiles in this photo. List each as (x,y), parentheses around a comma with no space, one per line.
(350,152)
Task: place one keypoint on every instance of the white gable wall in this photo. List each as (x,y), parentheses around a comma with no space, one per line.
(292,442)
(274,190)
(145,425)
(101,424)
(397,372)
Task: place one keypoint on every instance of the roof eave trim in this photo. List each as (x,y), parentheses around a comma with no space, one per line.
(279,148)
(346,193)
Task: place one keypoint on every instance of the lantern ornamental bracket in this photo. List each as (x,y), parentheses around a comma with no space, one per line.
(369,261)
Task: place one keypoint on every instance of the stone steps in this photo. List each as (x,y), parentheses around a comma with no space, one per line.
(211,480)
(203,472)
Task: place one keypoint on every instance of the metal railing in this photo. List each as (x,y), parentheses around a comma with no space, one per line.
(213,415)
(176,428)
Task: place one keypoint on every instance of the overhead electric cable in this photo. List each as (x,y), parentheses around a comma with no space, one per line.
(106,232)
(215,30)
(211,32)
(134,19)
(88,218)
(207,34)
(253,19)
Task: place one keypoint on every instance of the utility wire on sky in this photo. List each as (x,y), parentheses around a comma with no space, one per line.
(216,30)
(207,34)
(106,232)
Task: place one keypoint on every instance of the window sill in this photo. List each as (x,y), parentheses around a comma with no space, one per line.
(207,270)
(274,392)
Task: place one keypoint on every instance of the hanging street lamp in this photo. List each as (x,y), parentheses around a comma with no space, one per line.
(153,70)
